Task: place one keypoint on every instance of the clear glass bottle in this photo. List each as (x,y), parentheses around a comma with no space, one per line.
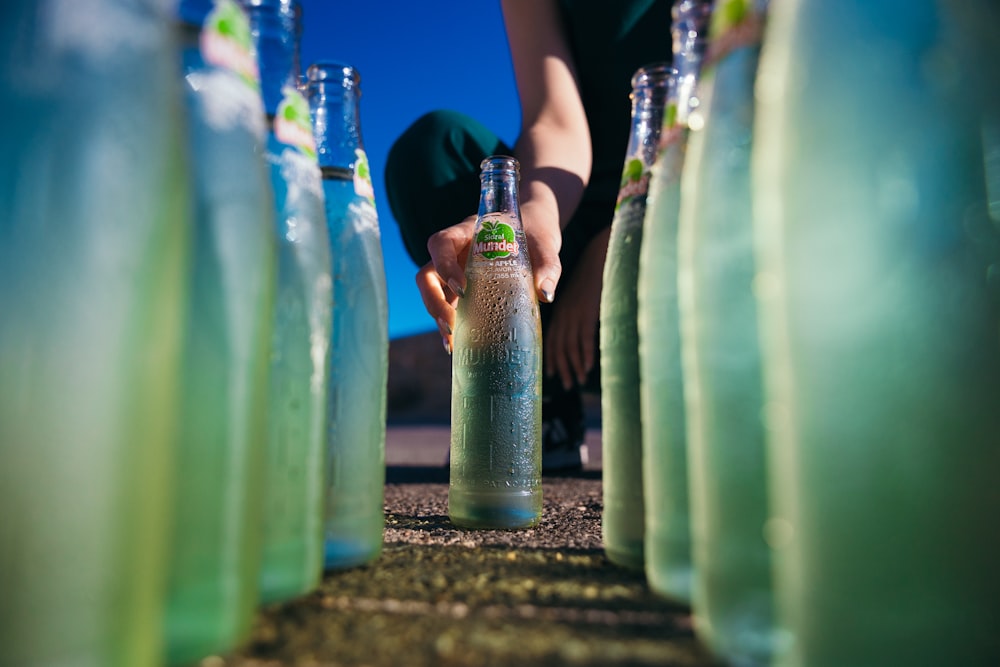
(215,551)
(496,403)
(623,516)
(295,463)
(879,302)
(661,390)
(93,250)
(359,348)
(731,599)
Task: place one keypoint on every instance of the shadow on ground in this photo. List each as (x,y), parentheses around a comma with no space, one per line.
(443,596)
(423,605)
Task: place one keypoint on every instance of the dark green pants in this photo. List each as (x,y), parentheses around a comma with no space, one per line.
(432,182)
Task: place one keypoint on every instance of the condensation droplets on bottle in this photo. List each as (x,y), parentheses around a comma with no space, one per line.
(292,554)
(623,515)
(359,347)
(496,421)
(667,540)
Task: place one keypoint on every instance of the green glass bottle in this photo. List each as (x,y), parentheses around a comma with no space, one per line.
(880,309)
(359,347)
(93,251)
(731,599)
(661,390)
(215,553)
(496,398)
(623,516)
(295,459)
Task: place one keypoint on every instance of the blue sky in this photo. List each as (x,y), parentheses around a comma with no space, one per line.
(414,57)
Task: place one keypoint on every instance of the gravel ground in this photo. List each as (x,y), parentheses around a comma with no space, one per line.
(448,597)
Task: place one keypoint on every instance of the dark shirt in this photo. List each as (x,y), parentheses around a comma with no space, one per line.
(610,40)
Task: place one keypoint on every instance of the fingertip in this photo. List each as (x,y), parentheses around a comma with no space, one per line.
(547,289)
(456,287)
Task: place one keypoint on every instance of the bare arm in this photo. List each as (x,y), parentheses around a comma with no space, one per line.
(554,144)
(554,152)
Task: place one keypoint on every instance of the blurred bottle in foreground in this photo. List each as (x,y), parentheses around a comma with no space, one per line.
(623,517)
(93,246)
(359,348)
(879,294)
(661,389)
(292,552)
(731,599)
(496,427)
(215,552)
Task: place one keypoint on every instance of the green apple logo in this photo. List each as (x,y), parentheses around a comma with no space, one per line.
(495,240)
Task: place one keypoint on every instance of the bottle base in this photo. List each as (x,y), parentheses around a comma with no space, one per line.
(502,509)
(288,572)
(191,641)
(344,554)
(627,558)
(673,583)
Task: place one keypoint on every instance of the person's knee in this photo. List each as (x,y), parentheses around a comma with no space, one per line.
(414,158)
(423,141)
(432,174)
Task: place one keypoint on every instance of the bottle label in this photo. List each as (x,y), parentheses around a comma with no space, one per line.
(673,131)
(363,217)
(736,24)
(363,177)
(225,42)
(635,182)
(229,86)
(496,240)
(292,123)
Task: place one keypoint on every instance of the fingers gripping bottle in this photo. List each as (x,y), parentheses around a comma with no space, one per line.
(292,553)
(623,518)
(667,539)
(359,348)
(496,417)
(731,600)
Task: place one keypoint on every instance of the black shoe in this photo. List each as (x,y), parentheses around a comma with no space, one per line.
(562,431)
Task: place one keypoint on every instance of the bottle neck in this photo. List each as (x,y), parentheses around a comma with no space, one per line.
(498,193)
(272,29)
(690,41)
(652,88)
(334,95)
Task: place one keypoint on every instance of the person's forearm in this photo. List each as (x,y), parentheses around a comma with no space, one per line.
(554,147)
(555,168)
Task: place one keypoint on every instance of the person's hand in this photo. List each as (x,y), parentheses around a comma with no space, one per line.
(570,349)
(442,280)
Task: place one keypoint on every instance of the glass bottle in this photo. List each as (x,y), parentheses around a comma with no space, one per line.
(731,600)
(661,390)
(496,419)
(292,553)
(623,516)
(359,348)
(93,251)
(879,302)
(215,551)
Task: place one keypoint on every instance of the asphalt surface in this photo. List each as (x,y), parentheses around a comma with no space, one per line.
(442,596)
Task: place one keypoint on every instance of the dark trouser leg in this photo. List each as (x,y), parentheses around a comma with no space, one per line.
(432,175)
